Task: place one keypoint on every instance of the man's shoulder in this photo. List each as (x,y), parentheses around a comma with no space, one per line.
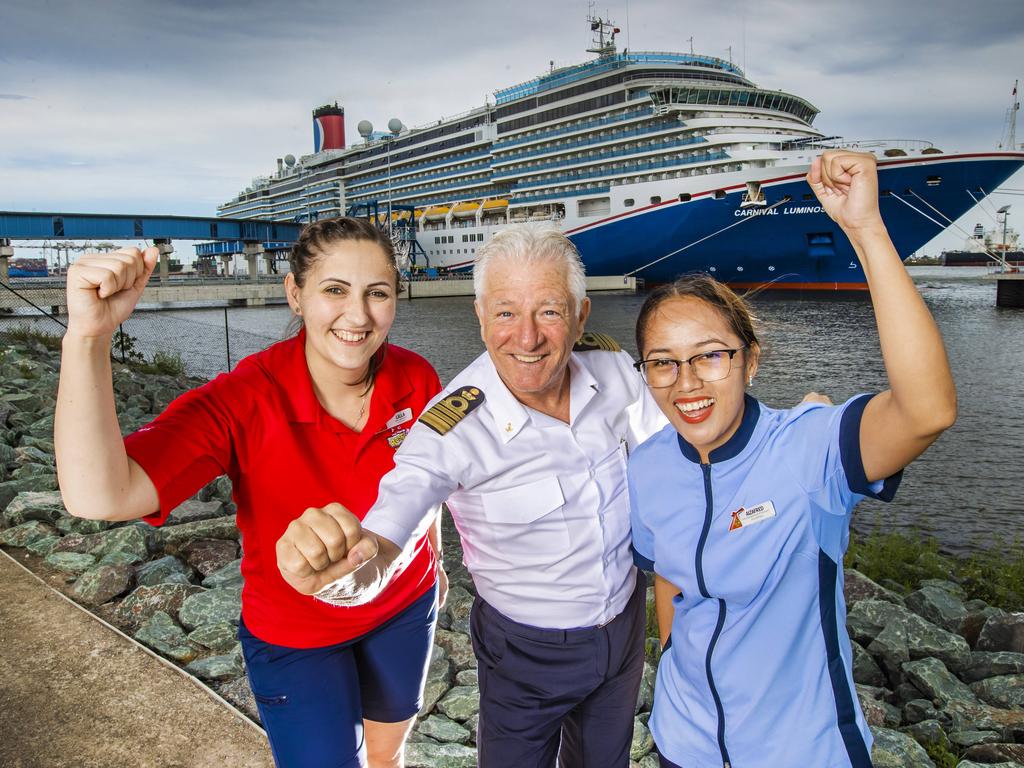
(463,395)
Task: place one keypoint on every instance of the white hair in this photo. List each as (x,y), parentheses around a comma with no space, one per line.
(527,245)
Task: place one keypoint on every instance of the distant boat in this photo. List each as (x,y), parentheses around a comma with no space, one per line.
(986,248)
(28,268)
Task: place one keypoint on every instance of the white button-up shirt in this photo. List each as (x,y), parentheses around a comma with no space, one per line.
(542,506)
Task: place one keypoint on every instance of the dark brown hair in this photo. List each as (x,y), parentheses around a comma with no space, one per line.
(699,285)
(321,234)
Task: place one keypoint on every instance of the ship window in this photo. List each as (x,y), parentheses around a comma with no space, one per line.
(629,201)
(819,238)
(719,194)
(465,238)
(809,196)
(684,197)
(934,181)
(655,199)
(886,193)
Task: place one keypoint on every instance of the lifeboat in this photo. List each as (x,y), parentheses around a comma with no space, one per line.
(436,213)
(465,210)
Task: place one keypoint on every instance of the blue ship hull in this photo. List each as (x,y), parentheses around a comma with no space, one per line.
(794,245)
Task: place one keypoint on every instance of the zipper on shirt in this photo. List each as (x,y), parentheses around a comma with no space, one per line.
(699,558)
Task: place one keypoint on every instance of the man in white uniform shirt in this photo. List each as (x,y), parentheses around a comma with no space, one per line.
(528,445)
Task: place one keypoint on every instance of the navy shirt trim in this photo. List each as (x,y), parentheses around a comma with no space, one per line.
(640,561)
(853,463)
(735,444)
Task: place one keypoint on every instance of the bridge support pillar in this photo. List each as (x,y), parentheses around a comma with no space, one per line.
(166,249)
(252,252)
(269,264)
(6,252)
(225,260)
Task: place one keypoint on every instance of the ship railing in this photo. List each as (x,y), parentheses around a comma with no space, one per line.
(403,193)
(597,190)
(838,142)
(707,157)
(596,123)
(449,118)
(602,156)
(397,171)
(405,181)
(559,148)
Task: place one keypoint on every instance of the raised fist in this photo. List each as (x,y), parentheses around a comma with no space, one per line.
(846,184)
(103,289)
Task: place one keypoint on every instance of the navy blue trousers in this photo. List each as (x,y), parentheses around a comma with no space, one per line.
(312,701)
(565,695)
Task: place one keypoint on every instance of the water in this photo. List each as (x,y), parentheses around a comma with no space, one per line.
(966,490)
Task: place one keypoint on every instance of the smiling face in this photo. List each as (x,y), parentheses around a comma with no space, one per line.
(347,302)
(705,413)
(529,322)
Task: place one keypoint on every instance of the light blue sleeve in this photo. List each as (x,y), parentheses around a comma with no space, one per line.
(643,537)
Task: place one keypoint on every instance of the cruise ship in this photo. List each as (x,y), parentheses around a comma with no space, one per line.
(653,163)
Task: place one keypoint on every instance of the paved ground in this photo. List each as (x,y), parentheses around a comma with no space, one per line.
(75,693)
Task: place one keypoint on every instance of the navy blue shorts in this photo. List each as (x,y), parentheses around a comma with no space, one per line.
(312,701)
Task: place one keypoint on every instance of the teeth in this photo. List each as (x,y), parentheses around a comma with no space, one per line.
(351,336)
(528,358)
(696,405)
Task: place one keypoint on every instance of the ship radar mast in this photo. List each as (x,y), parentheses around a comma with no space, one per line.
(1010,130)
(604,35)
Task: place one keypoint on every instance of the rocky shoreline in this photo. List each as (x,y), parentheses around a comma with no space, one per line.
(940,677)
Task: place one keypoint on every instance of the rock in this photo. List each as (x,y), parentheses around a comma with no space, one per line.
(993,753)
(966,739)
(857,587)
(1006,691)
(460,703)
(907,691)
(193,510)
(33,505)
(228,576)
(143,602)
(928,732)
(439,679)
(457,646)
(425,754)
(472,725)
(972,764)
(645,696)
(642,742)
(442,729)
(1002,632)
(985,664)
(865,670)
(44,546)
(868,618)
(951,587)
(919,710)
(467,677)
(165,570)
(211,607)
(891,649)
(102,583)
(223,667)
(932,677)
(127,540)
(977,614)
(163,635)
(172,537)
(69,524)
(239,694)
(209,555)
(649,761)
(10,489)
(874,712)
(217,637)
(938,605)
(26,533)
(460,602)
(32,455)
(893,749)
(71,562)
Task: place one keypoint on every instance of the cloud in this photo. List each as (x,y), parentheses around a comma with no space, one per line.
(13,97)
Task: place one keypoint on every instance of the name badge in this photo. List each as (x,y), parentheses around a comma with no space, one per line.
(744,517)
(401,417)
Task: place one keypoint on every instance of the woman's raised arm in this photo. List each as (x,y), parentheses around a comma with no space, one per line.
(900,423)
(97,479)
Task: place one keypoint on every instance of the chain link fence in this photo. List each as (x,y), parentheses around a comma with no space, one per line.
(197,341)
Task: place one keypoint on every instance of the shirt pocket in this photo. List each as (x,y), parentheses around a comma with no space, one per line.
(527,521)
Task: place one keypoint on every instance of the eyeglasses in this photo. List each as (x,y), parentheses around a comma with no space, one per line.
(662,372)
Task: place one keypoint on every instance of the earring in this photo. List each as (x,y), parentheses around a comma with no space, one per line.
(750,381)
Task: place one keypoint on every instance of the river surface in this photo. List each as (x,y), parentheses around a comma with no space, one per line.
(967,490)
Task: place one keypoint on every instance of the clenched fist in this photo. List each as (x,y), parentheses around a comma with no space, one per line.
(322,546)
(846,185)
(103,289)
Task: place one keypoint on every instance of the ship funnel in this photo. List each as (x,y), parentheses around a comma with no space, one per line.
(328,128)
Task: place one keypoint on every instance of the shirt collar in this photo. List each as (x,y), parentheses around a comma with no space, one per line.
(735,444)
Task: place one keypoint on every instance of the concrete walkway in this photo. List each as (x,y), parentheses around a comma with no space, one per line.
(74,692)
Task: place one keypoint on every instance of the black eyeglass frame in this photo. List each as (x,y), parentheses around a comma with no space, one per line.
(639,365)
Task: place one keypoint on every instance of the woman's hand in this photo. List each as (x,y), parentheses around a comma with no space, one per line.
(103,289)
(846,184)
(442,586)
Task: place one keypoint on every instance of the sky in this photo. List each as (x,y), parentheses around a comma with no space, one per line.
(173,106)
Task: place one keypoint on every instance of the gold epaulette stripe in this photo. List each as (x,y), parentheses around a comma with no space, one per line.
(443,415)
(592,341)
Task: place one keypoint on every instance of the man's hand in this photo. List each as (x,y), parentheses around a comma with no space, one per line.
(322,546)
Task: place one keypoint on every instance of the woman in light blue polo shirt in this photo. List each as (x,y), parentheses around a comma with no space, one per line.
(743,511)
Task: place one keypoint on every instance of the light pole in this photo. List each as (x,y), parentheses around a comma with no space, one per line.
(1005,211)
(395,127)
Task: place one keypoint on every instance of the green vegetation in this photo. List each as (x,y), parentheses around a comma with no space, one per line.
(941,755)
(995,575)
(24,334)
(166,363)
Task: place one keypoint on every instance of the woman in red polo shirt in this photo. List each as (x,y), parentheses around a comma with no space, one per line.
(311,420)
